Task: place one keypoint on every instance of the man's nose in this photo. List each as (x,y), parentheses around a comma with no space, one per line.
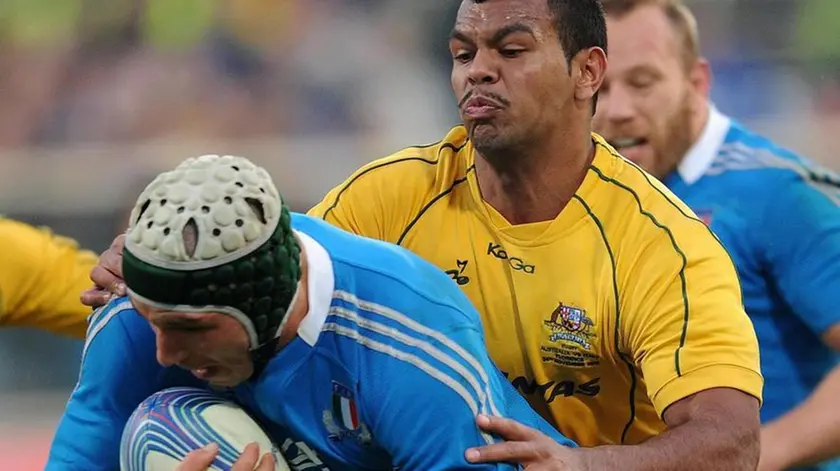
(482,69)
(170,352)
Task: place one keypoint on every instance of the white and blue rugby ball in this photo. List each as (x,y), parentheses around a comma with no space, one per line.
(171,423)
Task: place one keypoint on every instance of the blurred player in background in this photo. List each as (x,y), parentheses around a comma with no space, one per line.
(778,215)
(605,301)
(40,278)
(294,316)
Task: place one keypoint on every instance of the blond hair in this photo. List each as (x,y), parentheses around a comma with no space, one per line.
(678,15)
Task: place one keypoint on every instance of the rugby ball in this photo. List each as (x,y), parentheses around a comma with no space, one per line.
(171,423)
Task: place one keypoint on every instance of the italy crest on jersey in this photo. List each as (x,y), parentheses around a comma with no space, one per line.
(342,420)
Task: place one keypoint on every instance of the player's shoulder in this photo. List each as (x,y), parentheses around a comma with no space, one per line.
(641,218)
(755,161)
(630,194)
(117,326)
(420,167)
(385,274)
(99,318)
(654,236)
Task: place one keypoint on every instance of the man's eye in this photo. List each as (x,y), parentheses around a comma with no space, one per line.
(462,56)
(642,83)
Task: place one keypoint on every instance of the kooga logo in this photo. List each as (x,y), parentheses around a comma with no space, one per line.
(516,263)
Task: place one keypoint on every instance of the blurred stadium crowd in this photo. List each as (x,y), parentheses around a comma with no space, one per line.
(97,96)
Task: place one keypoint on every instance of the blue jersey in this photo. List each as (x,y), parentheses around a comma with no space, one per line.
(388,370)
(779,217)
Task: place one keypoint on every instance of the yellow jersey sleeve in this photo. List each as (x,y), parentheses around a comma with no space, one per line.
(41,278)
(686,326)
(362,204)
(384,198)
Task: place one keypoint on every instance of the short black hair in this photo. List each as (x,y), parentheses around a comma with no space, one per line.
(580,24)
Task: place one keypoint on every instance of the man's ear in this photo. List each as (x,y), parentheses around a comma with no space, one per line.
(700,76)
(589,67)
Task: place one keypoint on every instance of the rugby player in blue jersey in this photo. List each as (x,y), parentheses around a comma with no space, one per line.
(777,214)
(290,316)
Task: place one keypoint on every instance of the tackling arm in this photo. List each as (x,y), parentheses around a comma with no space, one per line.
(713,429)
(686,329)
(41,276)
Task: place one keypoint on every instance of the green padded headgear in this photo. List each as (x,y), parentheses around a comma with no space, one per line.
(246,259)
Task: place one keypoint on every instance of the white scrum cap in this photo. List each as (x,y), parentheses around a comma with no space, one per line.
(233,203)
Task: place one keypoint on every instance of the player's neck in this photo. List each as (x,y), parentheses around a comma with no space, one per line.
(299,308)
(535,184)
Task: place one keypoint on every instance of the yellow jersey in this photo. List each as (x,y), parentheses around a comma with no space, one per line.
(41,278)
(603,317)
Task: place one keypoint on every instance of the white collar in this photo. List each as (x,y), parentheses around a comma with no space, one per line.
(699,158)
(320,283)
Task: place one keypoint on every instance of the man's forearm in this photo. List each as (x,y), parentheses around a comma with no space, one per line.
(808,434)
(695,446)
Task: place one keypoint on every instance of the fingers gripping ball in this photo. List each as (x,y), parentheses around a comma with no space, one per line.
(169,424)
(214,232)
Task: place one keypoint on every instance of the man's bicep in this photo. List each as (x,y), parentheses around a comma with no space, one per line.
(721,405)
(687,328)
(803,253)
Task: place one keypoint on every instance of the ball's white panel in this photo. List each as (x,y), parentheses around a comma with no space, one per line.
(173,422)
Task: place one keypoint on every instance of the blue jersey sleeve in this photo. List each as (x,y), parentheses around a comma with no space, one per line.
(801,244)
(119,370)
(425,417)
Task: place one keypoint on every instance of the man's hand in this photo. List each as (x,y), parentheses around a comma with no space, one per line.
(713,429)
(200,460)
(524,445)
(809,433)
(106,276)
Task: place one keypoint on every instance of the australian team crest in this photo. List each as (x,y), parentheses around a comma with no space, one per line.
(342,419)
(571,324)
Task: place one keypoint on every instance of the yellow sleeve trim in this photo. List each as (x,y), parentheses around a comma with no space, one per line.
(708,377)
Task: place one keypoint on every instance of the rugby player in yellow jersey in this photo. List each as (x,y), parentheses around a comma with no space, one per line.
(609,305)
(41,275)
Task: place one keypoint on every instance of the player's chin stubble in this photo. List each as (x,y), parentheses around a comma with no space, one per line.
(678,141)
(488,139)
